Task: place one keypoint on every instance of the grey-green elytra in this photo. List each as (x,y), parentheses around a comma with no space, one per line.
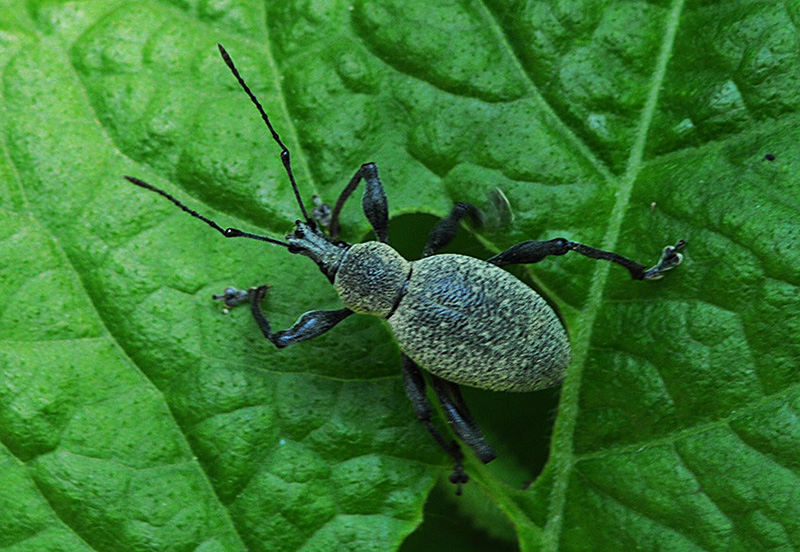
(460,318)
(472,323)
(464,320)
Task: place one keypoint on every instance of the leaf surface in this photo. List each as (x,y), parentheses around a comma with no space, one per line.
(136,415)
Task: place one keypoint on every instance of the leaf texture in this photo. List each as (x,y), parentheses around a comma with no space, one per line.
(136,415)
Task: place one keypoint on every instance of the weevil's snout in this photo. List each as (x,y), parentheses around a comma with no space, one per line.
(309,241)
(309,232)
(302,231)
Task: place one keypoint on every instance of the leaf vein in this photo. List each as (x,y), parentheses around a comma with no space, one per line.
(563,458)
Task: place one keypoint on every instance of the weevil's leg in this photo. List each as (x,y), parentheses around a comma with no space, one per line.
(232,297)
(374,203)
(310,325)
(534,251)
(446,229)
(461,420)
(321,212)
(414,383)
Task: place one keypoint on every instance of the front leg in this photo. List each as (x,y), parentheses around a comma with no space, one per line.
(374,203)
(310,324)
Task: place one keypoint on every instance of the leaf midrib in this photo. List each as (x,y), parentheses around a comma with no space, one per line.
(563,457)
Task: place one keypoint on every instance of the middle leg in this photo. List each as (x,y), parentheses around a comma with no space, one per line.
(446,229)
(374,202)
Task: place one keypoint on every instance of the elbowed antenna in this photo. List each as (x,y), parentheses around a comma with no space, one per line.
(227,232)
(285,156)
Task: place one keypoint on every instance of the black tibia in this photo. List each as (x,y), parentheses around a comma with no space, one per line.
(447,228)
(310,325)
(534,251)
(374,203)
(461,420)
(414,383)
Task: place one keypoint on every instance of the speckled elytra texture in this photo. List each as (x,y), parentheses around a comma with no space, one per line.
(370,278)
(473,323)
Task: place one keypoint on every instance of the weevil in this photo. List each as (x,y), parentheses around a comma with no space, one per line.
(463,320)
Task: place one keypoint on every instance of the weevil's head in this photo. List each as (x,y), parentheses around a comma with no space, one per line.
(307,239)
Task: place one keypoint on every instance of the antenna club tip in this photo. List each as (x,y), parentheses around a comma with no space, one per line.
(134,180)
(224,53)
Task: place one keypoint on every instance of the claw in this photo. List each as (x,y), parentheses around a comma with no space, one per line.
(232,297)
(321,212)
(670,258)
(458,477)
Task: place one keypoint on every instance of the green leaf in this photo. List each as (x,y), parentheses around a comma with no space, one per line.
(136,415)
